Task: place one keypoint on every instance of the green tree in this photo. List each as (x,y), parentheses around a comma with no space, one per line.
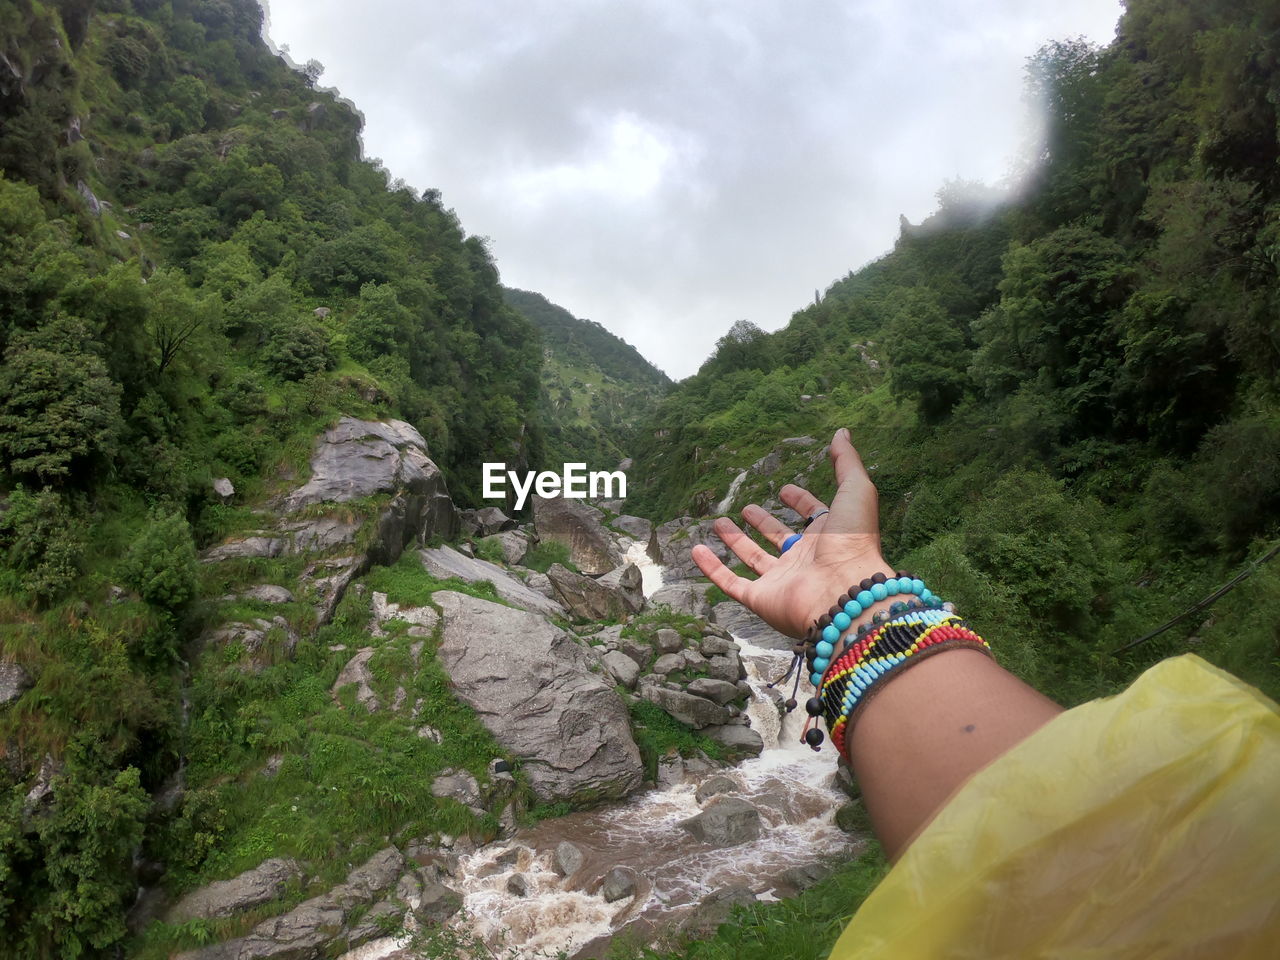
(161,563)
(58,406)
(39,536)
(928,357)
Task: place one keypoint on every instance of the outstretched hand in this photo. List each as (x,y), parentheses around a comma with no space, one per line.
(838,549)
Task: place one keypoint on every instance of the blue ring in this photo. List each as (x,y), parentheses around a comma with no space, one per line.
(791,541)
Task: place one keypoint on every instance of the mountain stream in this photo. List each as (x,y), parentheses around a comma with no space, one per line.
(792,787)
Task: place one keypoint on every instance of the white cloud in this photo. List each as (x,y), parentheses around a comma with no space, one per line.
(667,167)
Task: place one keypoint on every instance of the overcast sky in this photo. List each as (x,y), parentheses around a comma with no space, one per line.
(668,167)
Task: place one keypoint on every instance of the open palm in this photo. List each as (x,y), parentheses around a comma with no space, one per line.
(838,549)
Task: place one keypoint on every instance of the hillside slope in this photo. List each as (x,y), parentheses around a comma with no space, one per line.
(1069,404)
(596,387)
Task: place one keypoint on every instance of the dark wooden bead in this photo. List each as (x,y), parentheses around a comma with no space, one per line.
(878,577)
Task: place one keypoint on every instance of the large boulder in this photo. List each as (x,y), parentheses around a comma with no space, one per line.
(745,625)
(726,822)
(491,520)
(580,527)
(445,562)
(739,741)
(683,596)
(310,928)
(590,599)
(674,541)
(685,707)
(637,528)
(225,898)
(628,581)
(531,685)
(622,668)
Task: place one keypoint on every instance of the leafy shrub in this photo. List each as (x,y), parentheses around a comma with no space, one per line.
(546,552)
(57,402)
(39,534)
(161,564)
(298,349)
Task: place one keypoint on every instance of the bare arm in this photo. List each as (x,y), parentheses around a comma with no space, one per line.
(925,731)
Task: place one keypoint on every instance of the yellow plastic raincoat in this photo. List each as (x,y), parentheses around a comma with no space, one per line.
(1145,825)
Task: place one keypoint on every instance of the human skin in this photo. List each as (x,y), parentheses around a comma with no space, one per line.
(925,729)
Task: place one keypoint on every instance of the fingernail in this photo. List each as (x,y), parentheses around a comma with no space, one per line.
(844,432)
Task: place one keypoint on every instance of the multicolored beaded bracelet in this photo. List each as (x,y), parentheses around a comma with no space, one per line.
(817,646)
(868,660)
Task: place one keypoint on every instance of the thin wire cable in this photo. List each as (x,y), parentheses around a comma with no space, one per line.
(1210,599)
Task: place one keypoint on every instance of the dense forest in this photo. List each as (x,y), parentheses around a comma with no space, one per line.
(1069,403)
(199,271)
(596,388)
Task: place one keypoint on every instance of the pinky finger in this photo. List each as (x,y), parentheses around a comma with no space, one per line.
(734,586)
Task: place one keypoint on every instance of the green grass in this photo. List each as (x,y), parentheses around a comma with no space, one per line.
(407,583)
(658,734)
(546,552)
(349,783)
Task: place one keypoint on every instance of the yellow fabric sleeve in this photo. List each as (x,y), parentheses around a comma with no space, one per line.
(1145,825)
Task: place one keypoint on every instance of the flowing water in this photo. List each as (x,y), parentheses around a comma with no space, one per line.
(791,786)
(724,505)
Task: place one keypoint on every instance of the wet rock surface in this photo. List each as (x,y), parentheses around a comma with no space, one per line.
(726,822)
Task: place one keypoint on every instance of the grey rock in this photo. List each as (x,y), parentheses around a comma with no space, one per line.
(256,546)
(683,596)
(628,581)
(739,741)
(408,887)
(268,593)
(539,699)
(518,885)
(667,640)
(360,458)
(371,878)
(714,786)
(610,636)
(637,528)
(437,904)
(580,527)
(567,859)
(668,663)
(425,618)
(253,636)
(319,534)
(688,709)
(586,598)
(321,312)
(444,562)
(726,666)
(638,651)
(540,583)
(357,672)
(741,622)
(224,489)
(714,910)
(42,788)
(804,876)
(622,668)
(491,520)
(514,544)
(14,682)
(225,898)
(715,646)
(327,581)
(430,733)
(676,539)
(304,932)
(720,691)
(726,822)
(693,660)
(94,204)
(375,923)
(458,784)
(618,884)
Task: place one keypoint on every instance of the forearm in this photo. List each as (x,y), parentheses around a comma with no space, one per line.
(925,732)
